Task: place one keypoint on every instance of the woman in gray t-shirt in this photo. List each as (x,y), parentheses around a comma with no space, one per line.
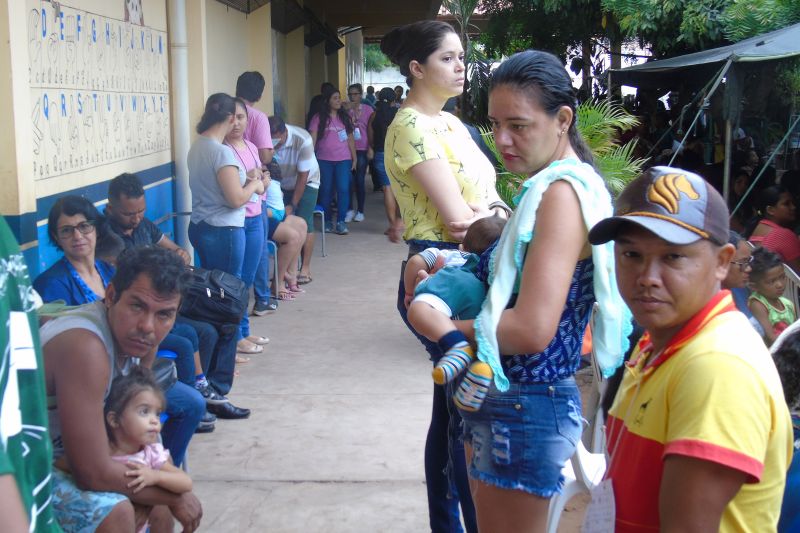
(220,190)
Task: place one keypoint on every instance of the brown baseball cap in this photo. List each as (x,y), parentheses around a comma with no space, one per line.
(677,205)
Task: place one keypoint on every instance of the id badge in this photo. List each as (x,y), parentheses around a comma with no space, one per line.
(601,514)
(342,135)
(357,134)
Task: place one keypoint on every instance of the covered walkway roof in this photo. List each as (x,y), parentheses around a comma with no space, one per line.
(374,17)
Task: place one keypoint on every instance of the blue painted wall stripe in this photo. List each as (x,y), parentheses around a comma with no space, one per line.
(160,200)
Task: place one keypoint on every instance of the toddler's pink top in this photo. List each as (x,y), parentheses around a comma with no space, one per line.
(333,145)
(153,455)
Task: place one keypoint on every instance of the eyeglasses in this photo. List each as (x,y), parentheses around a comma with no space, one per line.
(84,228)
(744,264)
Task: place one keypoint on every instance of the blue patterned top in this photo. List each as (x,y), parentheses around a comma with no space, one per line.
(562,356)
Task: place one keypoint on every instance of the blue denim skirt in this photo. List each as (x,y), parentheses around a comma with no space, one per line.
(522,438)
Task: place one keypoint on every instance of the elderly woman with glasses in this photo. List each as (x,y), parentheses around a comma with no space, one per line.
(74,225)
(738,277)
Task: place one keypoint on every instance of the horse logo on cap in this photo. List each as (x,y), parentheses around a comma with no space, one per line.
(665,191)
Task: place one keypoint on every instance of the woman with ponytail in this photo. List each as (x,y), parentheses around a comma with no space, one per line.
(220,189)
(544,281)
(442,183)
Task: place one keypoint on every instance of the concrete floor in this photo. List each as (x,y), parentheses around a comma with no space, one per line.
(340,401)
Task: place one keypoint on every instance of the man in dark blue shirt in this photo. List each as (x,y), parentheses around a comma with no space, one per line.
(125,212)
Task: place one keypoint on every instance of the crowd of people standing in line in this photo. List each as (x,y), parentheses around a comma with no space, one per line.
(506,411)
(699,426)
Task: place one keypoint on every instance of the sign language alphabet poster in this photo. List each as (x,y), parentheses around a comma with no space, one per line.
(99,89)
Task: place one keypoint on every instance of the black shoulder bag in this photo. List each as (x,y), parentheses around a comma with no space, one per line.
(215,296)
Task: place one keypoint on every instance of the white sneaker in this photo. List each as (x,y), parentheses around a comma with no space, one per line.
(349,216)
(359,217)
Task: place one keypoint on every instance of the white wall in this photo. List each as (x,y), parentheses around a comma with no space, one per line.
(389,77)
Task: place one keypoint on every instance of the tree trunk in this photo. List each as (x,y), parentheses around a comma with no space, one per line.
(586,52)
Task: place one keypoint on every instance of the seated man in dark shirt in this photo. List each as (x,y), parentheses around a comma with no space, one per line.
(125,212)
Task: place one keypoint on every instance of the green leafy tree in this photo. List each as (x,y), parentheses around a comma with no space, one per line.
(552,25)
(374,59)
(673,27)
(747,18)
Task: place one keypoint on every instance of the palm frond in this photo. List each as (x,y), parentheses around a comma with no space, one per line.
(600,122)
(618,167)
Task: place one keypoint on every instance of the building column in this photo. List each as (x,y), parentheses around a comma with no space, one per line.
(259,53)
(297,92)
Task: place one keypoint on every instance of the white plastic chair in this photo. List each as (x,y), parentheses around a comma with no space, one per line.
(585,469)
(582,473)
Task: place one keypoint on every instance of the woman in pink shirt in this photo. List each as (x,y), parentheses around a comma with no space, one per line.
(776,210)
(332,132)
(360,113)
(255,233)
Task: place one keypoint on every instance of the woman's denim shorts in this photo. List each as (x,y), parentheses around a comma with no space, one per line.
(522,438)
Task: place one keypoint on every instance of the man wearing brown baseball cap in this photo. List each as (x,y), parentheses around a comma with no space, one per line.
(699,436)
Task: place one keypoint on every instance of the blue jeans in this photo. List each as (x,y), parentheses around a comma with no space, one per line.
(183,341)
(521,438)
(220,363)
(261,280)
(358,179)
(254,238)
(185,407)
(445,464)
(379,171)
(220,247)
(335,175)
(207,338)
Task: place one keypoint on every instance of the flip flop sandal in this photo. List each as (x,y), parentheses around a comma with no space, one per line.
(242,359)
(286,296)
(303,279)
(295,289)
(258,339)
(252,350)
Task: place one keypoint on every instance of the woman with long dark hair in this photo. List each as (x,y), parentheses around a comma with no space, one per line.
(255,234)
(442,183)
(772,229)
(544,281)
(332,132)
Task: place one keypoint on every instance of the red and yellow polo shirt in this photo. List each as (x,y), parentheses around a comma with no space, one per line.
(712,394)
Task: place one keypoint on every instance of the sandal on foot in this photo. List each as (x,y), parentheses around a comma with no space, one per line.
(242,359)
(295,289)
(249,350)
(258,339)
(286,296)
(302,279)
